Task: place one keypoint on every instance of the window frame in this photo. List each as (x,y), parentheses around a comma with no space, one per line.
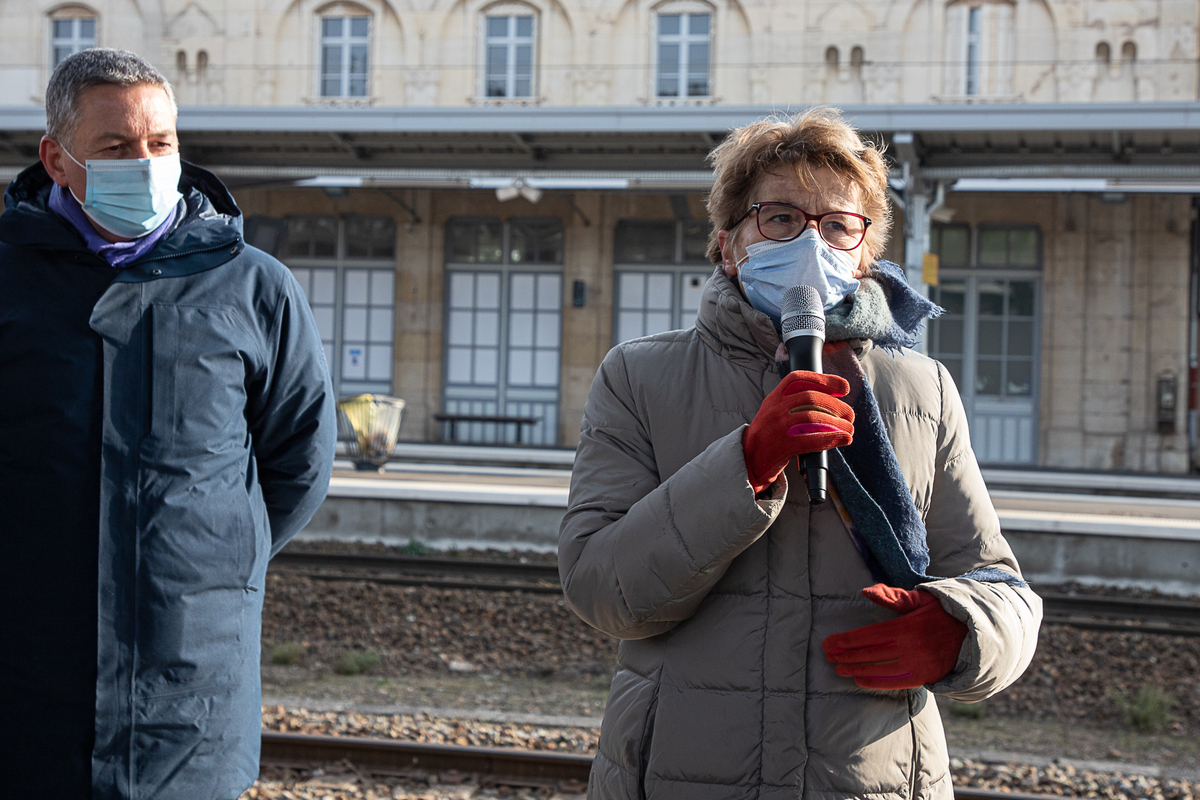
(345,42)
(678,267)
(511,12)
(74,14)
(979,64)
(340,263)
(503,392)
(683,39)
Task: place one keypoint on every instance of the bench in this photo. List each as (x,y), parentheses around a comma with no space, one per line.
(451,421)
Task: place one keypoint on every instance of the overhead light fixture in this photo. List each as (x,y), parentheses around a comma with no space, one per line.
(518,187)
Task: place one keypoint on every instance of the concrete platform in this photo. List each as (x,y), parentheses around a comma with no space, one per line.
(1057,535)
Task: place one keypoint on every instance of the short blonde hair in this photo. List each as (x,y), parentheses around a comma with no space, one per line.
(816,138)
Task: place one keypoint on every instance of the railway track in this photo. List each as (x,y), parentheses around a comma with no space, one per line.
(1093,612)
(499,765)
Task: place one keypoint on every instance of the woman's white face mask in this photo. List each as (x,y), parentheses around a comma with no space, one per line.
(769,269)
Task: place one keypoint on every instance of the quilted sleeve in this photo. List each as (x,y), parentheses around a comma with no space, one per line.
(637,554)
(964,535)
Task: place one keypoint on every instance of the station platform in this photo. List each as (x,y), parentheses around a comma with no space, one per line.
(1101,528)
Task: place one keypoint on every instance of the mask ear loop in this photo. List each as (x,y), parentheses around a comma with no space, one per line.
(81,166)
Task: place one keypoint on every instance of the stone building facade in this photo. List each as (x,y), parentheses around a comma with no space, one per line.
(481,198)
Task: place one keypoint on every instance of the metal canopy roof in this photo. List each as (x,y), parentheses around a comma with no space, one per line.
(1123,140)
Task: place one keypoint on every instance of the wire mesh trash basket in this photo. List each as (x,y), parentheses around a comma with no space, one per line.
(369,424)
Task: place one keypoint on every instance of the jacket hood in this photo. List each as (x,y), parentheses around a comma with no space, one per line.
(206,235)
(731,326)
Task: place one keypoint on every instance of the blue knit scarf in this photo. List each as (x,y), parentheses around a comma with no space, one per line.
(866,473)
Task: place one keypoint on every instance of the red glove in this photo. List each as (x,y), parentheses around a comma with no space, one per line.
(917,648)
(800,416)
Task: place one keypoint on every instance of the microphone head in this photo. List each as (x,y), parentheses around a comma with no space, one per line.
(802,313)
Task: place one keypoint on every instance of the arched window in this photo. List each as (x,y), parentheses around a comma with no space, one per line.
(856,62)
(1129,52)
(1103,54)
(181,65)
(683,50)
(72,28)
(202,65)
(832,59)
(979,49)
(509,50)
(345,46)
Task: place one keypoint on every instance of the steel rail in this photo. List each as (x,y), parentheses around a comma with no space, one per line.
(499,764)
(442,573)
(502,763)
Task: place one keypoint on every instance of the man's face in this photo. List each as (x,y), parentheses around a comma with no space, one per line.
(115,122)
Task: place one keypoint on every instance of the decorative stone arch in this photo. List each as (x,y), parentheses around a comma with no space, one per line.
(297,42)
(634,22)
(845,17)
(466,12)
(461,26)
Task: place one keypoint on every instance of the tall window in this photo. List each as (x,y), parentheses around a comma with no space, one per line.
(661,270)
(988,339)
(508,55)
(503,326)
(979,49)
(683,54)
(347,270)
(70,32)
(345,49)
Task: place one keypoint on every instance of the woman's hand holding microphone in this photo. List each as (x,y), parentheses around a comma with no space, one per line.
(802,415)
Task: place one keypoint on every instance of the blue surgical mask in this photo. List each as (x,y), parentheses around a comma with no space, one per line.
(771,268)
(132,196)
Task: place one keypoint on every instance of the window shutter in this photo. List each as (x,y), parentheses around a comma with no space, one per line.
(954,56)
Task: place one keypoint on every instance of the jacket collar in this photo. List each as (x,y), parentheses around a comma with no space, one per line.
(734,328)
(206,236)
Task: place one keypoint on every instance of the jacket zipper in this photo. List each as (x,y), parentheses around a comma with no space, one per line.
(186,253)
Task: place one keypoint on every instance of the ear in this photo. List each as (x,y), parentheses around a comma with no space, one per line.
(53,158)
(728,261)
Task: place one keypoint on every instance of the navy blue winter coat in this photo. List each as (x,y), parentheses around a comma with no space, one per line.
(164,430)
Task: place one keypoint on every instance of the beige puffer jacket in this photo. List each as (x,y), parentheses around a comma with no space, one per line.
(721,688)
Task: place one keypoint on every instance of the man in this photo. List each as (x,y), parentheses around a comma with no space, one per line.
(166,425)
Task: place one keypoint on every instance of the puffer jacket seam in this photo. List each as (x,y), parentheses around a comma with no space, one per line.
(717,783)
(950,462)
(670,509)
(919,415)
(610,428)
(975,545)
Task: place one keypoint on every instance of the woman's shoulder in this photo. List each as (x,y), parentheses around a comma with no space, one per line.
(654,352)
(906,381)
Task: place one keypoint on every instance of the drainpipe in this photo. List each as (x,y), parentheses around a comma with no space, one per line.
(917,208)
(1193,423)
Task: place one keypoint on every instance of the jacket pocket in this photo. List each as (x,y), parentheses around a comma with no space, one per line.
(199,359)
(628,727)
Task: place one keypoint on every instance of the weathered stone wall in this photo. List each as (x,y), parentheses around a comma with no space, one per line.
(266,52)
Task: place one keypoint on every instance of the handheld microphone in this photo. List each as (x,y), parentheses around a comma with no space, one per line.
(803,318)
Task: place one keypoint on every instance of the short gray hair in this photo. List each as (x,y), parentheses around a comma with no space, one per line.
(93,67)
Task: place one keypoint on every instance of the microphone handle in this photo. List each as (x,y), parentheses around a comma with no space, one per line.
(804,353)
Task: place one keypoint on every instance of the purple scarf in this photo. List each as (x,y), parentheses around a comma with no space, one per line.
(118,254)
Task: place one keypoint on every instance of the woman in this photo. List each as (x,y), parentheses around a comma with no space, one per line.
(772,647)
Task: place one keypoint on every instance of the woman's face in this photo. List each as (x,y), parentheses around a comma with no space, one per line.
(828,192)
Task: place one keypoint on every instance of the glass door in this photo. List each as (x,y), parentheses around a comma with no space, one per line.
(503,329)
(988,338)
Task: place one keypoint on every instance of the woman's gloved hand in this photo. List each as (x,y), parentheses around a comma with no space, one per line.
(802,415)
(917,648)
